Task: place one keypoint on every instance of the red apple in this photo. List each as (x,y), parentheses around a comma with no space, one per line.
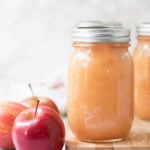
(45,131)
(44,101)
(8,112)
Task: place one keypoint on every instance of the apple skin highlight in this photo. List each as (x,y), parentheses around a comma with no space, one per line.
(46,131)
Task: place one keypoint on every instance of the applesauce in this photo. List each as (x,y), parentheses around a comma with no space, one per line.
(141,59)
(100,84)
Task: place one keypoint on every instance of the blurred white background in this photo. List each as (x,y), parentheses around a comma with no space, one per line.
(35,35)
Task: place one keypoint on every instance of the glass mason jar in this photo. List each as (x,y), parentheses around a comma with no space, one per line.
(141,59)
(100,83)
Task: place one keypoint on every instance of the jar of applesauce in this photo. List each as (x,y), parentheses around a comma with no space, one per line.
(100,83)
(141,59)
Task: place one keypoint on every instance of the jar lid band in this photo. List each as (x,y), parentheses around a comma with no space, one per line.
(95,31)
(143,29)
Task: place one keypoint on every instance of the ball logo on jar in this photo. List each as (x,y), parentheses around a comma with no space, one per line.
(87,114)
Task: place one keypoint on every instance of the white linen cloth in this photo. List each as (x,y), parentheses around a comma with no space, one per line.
(54,87)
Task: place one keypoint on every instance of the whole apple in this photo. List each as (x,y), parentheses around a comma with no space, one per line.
(44,101)
(8,112)
(45,131)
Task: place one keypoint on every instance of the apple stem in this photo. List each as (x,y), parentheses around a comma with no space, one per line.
(31,89)
(38,101)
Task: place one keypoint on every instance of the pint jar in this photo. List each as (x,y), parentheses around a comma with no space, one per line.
(100,83)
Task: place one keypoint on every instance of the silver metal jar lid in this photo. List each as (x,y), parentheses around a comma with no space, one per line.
(143,29)
(95,31)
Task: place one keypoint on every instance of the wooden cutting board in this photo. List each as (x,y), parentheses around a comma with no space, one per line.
(138,139)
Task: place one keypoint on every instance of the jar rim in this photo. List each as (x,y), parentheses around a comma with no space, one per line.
(100,44)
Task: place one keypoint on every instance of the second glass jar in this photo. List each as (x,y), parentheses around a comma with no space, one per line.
(141,59)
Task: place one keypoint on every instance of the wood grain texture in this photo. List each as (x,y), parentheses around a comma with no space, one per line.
(138,139)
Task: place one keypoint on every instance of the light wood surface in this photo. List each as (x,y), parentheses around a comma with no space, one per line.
(138,139)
